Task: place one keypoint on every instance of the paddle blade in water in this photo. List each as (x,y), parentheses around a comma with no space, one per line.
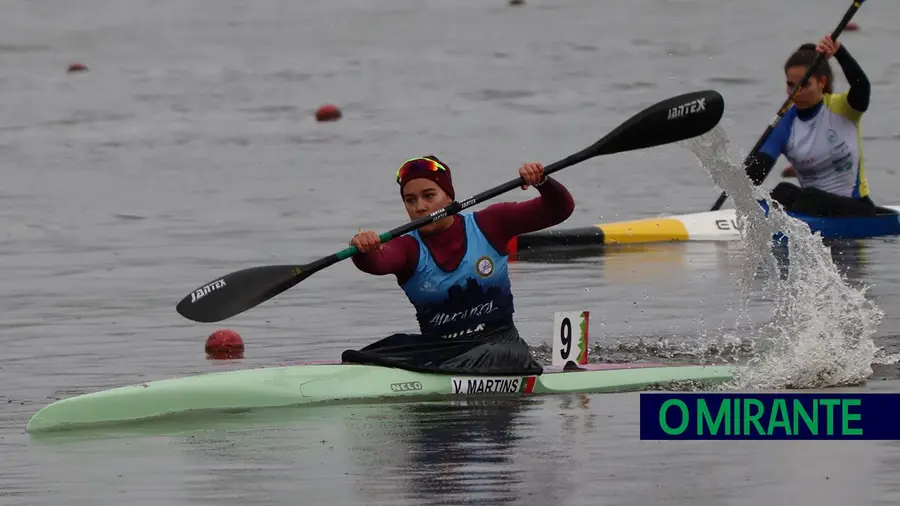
(239,291)
(672,120)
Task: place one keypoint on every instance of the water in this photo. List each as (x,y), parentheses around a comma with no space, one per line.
(822,327)
(189,150)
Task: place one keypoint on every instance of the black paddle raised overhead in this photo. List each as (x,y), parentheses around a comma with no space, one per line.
(672,120)
(790,100)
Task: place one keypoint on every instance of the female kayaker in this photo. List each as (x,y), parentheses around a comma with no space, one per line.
(454,272)
(820,137)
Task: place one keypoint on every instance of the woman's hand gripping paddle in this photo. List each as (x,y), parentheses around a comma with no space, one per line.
(672,120)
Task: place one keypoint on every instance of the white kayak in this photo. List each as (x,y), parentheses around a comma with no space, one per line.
(718,225)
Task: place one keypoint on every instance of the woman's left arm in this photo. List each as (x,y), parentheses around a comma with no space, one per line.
(502,221)
(860,88)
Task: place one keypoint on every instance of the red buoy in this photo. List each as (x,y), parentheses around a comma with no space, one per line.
(328,112)
(77,67)
(224,344)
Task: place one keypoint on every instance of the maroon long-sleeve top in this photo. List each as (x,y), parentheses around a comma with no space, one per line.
(499,222)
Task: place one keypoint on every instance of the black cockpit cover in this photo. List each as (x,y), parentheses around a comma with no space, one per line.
(496,352)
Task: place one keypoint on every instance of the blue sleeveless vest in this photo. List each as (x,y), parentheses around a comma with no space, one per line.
(475,296)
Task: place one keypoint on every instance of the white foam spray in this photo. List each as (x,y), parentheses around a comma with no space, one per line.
(821,331)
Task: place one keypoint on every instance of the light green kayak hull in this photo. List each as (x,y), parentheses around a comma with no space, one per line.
(303,384)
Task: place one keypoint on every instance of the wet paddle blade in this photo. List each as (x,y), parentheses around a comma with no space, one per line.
(671,120)
(238,292)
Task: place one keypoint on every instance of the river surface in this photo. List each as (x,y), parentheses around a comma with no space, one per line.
(189,149)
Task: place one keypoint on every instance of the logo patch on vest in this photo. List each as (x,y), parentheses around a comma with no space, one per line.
(484,266)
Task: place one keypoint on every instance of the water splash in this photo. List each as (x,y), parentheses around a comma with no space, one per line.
(821,331)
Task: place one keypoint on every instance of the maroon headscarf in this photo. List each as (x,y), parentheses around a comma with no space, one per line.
(416,170)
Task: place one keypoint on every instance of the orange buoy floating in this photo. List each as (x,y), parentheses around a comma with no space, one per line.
(328,112)
(224,344)
(77,67)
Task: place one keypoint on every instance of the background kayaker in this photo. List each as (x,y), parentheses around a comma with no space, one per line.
(819,135)
(454,272)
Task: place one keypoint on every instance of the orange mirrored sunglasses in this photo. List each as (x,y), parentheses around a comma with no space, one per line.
(414,164)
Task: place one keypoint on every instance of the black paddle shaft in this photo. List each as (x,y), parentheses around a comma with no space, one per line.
(675,119)
(672,120)
(790,100)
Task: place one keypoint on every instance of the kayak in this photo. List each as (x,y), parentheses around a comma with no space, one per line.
(718,225)
(310,384)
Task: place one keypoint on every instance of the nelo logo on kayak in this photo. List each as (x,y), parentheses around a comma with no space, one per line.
(692,107)
(469,386)
(203,292)
(409,386)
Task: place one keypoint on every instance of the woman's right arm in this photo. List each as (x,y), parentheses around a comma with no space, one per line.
(768,154)
(759,168)
(393,257)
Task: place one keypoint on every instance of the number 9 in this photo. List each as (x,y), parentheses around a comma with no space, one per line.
(565,336)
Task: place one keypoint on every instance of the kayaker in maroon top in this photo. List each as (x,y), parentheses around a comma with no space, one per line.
(454,271)
(500,222)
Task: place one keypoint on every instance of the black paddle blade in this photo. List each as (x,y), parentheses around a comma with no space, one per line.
(672,120)
(239,291)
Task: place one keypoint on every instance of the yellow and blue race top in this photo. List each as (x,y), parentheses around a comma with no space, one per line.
(823,145)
